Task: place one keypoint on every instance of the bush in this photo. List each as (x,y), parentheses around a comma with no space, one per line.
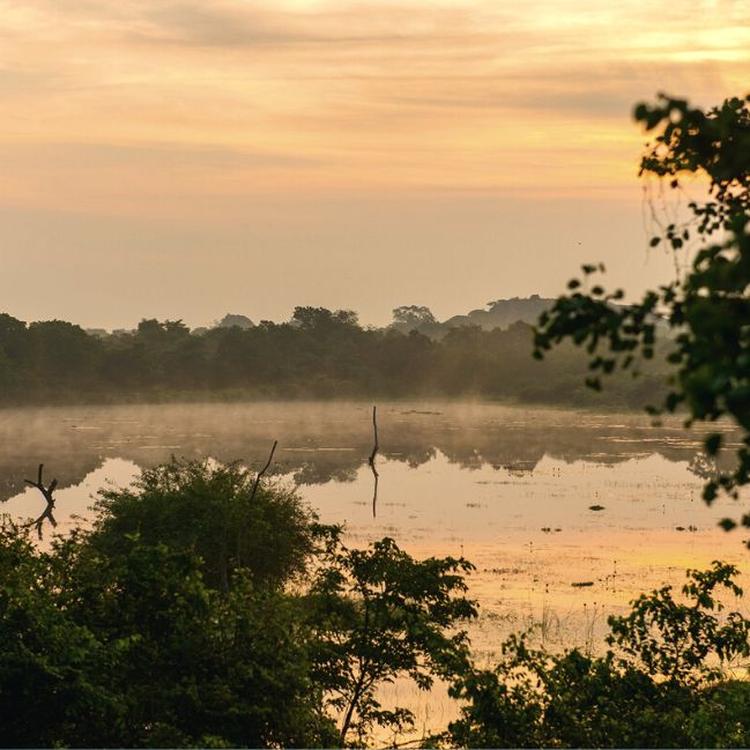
(210,510)
(661,686)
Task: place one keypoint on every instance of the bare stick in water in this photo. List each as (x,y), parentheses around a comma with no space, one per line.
(47,492)
(371,460)
(264,469)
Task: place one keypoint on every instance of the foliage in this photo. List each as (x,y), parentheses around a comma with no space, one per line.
(380,615)
(47,660)
(124,635)
(407,318)
(674,640)
(319,353)
(210,510)
(658,687)
(135,633)
(705,316)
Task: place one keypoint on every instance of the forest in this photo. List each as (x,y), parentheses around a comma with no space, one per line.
(319,353)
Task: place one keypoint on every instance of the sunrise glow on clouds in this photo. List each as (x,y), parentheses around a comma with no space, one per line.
(203,111)
(160,99)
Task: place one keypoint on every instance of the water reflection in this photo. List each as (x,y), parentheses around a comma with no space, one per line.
(320,443)
(511,489)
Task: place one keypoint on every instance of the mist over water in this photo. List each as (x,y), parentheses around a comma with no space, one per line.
(324,441)
(453,476)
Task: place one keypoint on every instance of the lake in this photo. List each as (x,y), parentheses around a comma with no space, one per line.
(566,514)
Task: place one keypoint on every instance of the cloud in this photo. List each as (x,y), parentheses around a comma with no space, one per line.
(25,82)
(57,154)
(215,25)
(570,90)
(233,23)
(338,95)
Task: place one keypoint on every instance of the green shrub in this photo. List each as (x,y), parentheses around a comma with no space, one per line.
(662,685)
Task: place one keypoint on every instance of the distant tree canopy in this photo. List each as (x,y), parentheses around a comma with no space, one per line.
(408,318)
(705,314)
(319,353)
(232,320)
(322,320)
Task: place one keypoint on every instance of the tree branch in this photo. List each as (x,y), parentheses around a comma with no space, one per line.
(264,469)
(48,493)
(371,460)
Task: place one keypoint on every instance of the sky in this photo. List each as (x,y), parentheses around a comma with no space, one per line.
(188,158)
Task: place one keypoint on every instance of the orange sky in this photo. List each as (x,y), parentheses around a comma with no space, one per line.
(190,158)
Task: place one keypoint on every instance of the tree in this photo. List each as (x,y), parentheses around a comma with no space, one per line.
(62,354)
(673,640)
(380,615)
(46,658)
(234,320)
(412,317)
(211,510)
(133,633)
(12,336)
(706,314)
(321,319)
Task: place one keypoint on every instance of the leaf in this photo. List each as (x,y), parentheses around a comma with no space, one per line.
(712,443)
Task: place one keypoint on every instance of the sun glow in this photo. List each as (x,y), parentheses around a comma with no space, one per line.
(201,113)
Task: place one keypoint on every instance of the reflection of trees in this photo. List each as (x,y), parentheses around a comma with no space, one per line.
(70,470)
(318,473)
(707,467)
(320,443)
(415,456)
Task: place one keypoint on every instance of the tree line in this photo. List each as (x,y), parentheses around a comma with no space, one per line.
(318,353)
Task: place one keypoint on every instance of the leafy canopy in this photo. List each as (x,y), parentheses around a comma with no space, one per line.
(381,615)
(704,316)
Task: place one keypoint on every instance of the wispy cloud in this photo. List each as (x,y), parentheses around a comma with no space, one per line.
(342,95)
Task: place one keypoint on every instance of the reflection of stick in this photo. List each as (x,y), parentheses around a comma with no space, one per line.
(264,469)
(48,496)
(371,459)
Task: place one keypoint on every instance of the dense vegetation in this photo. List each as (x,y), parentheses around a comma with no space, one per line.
(199,611)
(318,354)
(663,682)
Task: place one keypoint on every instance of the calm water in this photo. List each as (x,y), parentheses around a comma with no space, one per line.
(509,488)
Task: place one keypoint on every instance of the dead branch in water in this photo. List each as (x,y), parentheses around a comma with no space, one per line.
(264,469)
(371,460)
(375,447)
(47,492)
